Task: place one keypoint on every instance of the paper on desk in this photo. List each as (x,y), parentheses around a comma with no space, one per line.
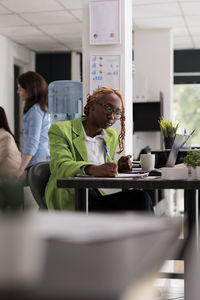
(120,175)
(135,175)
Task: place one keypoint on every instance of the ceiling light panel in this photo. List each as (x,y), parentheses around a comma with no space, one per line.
(196,39)
(70,4)
(19,31)
(40,43)
(158,10)
(180,31)
(46,18)
(191,8)
(3,10)
(74,42)
(70,29)
(11,20)
(193,20)
(160,22)
(77,13)
(20,6)
(51,47)
(68,39)
(34,39)
(183,46)
(195,30)
(183,40)
(142,2)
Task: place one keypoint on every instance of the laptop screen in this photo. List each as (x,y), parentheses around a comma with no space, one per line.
(179,142)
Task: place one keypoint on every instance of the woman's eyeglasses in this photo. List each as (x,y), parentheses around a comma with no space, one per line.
(109,110)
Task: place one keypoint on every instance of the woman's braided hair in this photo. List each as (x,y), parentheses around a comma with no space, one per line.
(98,95)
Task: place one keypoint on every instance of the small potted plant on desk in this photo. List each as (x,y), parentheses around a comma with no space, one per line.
(168,129)
(192,161)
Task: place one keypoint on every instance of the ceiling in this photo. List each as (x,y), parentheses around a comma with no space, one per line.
(56,25)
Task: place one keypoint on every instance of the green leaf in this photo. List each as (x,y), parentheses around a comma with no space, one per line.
(192,159)
(168,128)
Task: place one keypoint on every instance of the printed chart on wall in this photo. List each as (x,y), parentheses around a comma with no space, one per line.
(104,71)
(104,22)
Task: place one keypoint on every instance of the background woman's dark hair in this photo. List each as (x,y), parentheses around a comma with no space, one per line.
(4,121)
(37,89)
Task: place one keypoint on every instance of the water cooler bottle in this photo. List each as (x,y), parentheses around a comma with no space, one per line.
(65,100)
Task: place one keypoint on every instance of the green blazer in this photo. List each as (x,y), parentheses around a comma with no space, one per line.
(68,153)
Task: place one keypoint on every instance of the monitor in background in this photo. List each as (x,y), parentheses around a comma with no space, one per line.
(146,116)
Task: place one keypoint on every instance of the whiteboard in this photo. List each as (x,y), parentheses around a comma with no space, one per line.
(104,71)
(104,22)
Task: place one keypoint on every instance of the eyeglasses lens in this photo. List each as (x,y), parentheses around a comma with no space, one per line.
(109,110)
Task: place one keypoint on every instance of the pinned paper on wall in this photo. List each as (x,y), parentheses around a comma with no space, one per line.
(104,22)
(104,71)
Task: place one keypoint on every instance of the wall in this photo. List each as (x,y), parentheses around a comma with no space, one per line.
(153,56)
(124,49)
(10,54)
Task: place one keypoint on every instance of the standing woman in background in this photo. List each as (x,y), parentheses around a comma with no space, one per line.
(33,90)
(10,158)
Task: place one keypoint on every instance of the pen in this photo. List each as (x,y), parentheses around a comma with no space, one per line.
(107,153)
(191,133)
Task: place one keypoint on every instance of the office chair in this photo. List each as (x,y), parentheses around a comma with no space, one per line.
(38,177)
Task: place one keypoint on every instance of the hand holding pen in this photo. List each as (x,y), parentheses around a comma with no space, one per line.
(108,169)
(124,163)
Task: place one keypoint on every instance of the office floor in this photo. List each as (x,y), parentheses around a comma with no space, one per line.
(170,289)
(173,289)
(160,289)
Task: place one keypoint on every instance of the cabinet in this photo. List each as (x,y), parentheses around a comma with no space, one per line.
(146,116)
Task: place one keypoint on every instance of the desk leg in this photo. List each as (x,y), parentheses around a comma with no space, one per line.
(192,210)
(81,200)
(191,198)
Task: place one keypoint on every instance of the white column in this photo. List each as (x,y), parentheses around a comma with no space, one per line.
(153,57)
(75,66)
(124,49)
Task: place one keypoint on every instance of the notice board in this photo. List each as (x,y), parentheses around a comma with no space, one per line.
(104,71)
(104,22)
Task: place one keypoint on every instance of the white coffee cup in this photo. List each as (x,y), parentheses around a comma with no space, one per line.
(147,161)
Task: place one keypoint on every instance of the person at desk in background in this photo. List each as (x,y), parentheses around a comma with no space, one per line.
(33,90)
(10,158)
(77,147)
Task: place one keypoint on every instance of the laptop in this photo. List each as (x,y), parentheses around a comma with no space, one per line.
(179,141)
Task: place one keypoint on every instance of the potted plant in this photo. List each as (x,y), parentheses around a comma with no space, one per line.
(168,129)
(192,161)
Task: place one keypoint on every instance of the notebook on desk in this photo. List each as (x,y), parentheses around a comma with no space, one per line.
(179,141)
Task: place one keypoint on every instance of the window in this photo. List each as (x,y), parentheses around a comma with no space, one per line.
(186,109)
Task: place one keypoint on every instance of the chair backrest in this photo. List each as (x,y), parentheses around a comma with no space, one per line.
(38,177)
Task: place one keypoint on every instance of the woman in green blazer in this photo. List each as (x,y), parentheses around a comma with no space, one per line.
(77,147)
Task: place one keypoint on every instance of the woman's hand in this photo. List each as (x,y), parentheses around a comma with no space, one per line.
(125,163)
(108,169)
(24,163)
(19,172)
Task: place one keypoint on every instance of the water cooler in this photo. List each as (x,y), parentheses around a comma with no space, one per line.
(65,100)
